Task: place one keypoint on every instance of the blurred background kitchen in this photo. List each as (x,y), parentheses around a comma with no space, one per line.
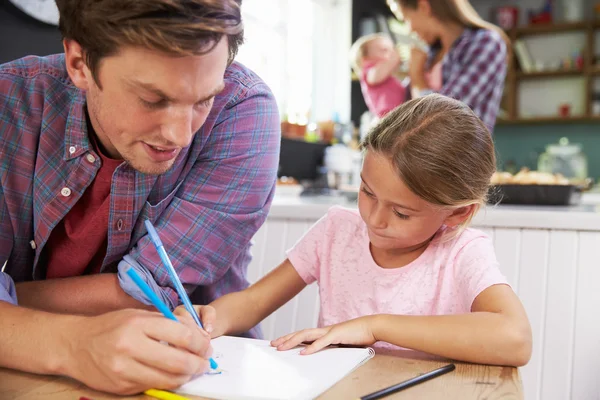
(549,114)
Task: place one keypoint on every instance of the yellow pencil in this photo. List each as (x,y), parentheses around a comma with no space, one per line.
(162,395)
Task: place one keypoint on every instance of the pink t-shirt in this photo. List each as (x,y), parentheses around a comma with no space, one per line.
(383,97)
(445,279)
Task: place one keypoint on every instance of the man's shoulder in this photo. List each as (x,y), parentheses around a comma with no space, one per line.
(32,67)
(241,82)
(242,75)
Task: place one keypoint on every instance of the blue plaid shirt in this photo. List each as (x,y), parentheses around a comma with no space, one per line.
(206,208)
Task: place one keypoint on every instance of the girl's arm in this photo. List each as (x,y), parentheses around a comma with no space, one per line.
(383,69)
(240,311)
(497,331)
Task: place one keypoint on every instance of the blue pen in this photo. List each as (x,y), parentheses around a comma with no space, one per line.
(160,249)
(157,302)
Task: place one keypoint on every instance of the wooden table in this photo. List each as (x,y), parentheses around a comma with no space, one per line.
(467,382)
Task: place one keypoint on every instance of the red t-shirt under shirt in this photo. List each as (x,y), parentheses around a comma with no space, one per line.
(77,245)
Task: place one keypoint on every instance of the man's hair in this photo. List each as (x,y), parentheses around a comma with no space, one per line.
(177,27)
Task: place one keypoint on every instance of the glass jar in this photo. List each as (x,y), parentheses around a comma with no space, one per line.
(564,158)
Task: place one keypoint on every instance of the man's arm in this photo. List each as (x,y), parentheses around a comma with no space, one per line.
(119,352)
(85,295)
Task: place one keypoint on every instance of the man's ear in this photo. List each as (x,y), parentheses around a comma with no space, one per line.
(77,69)
(460,215)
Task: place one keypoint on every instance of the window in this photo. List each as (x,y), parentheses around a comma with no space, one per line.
(289,43)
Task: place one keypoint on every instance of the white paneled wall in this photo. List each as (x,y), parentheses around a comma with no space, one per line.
(556,273)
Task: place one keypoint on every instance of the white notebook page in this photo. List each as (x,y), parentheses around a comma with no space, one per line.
(252,369)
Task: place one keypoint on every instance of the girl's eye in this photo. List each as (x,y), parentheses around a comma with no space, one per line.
(400,215)
(365,191)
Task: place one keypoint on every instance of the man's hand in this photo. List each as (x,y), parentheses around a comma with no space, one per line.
(121,352)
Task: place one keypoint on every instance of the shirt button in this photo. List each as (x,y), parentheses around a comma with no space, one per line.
(90,158)
(33,245)
(65,191)
(120,224)
(72,149)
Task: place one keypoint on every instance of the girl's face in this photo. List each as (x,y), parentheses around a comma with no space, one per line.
(396,218)
(421,21)
(379,49)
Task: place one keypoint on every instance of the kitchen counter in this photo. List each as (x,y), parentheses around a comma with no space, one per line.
(583,217)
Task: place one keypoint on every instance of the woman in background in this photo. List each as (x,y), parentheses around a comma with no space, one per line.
(467,59)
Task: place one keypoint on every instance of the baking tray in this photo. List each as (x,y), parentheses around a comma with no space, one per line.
(548,195)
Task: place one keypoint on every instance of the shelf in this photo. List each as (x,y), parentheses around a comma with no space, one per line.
(551,74)
(536,29)
(548,120)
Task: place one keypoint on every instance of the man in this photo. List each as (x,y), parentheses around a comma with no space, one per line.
(145,116)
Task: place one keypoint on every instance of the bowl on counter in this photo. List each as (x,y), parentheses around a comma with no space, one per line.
(534,194)
(534,188)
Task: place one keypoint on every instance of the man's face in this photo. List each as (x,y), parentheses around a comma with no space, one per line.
(151,104)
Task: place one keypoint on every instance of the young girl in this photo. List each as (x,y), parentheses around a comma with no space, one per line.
(374,59)
(404,270)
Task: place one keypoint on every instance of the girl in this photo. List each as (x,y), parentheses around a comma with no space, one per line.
(404,270)
(374,59)
(467,58)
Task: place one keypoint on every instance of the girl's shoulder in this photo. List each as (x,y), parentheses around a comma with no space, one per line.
(342,222)
(468,240)
(343,215)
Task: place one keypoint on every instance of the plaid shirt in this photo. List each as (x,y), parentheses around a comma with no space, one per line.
(7,289)
(473,71)
(206,208)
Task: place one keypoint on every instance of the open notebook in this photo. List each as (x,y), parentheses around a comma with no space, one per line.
(252,369)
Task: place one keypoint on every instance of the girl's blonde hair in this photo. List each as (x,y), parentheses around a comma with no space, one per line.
(440,150)
(458,11)
(359,50)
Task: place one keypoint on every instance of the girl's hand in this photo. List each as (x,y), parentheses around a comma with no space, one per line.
(207,314)
(355,332)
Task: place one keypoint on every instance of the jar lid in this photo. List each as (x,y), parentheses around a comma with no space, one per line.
(563,148)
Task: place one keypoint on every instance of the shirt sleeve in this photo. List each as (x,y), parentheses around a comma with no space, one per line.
(6,230)
(306,255)
(477,269)
(220,205)
(473,81)
(8,293)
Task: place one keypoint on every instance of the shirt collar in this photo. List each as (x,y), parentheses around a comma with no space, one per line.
(76,135)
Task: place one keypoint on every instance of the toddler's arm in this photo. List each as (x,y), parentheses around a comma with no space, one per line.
(383,69)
